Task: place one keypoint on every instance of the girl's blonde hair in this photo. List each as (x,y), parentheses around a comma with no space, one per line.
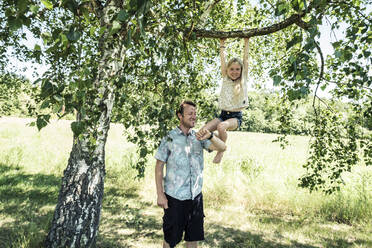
(235,60)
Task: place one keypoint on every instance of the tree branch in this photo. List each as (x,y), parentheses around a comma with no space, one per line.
(306,26)
(321,72)
(202,33)
(249,32)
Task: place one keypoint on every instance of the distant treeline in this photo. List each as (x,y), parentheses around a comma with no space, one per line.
(267,112)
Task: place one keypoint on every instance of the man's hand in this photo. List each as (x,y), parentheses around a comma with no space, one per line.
(203,134)
(162,201)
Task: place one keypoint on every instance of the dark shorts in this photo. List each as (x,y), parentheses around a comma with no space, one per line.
(183,216)
(225,115)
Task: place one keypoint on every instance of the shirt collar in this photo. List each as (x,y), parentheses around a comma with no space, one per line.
(179,131)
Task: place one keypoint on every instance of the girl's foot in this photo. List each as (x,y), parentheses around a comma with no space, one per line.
(217,159)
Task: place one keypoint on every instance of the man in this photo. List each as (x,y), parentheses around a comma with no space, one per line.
(182,151)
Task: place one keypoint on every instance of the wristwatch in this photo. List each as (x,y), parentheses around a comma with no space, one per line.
(211,136)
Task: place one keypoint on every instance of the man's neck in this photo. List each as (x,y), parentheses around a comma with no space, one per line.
(184,129)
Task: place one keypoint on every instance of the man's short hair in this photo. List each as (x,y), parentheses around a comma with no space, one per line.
(182,106)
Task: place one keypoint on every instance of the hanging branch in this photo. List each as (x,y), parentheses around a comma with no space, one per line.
(306,26)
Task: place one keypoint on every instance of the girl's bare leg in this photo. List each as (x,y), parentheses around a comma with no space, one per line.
(211,126)
(222,127)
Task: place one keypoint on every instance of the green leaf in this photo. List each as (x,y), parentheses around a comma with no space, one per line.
(46,89)
(34,9)
(9,13)
(338,54)
(45,104)
(47,4)
(304,90)
(366,53)
(128,38)
(292,58)
(77,127)
(64,40)
(37,48)
(42,121)
(46,37)
(14,23)
(72,5)
(281,8)
(143,152)
(92,30)
(58,98)
(336,44)
(116,26)
(22,5)
(73,35)
(277,79)
(296,39)
(140,24)
(123,15)
(92,140)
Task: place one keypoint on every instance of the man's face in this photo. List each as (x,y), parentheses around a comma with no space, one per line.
(188,119)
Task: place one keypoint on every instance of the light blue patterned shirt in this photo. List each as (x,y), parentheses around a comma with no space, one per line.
(183,155)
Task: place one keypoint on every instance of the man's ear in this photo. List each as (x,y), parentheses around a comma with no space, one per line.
(179,116)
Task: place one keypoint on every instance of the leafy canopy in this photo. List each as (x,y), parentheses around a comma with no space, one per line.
(160,52)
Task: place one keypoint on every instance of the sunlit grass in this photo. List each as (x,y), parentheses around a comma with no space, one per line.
(251,198)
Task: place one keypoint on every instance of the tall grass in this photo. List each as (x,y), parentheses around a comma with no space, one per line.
(257,175)
(251,198)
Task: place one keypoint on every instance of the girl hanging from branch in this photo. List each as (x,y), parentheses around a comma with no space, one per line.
(233,97)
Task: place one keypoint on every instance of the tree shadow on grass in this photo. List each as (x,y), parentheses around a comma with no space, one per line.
(132,225)
(25,204)
(125,219)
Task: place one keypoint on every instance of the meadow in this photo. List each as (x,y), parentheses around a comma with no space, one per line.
(251,198)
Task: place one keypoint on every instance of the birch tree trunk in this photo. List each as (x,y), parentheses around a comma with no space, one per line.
(76,218)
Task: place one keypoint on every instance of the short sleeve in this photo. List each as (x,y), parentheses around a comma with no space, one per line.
(206,144)
(163,151)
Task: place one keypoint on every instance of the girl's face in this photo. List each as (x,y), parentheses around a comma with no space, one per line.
(234,71)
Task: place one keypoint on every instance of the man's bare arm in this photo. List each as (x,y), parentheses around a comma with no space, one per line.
(161,198)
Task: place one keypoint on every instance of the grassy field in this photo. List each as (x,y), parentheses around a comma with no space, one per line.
(251,199)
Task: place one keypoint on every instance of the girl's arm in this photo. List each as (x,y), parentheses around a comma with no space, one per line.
(222,56)
(245,58)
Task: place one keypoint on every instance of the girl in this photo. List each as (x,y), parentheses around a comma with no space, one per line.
(233,97)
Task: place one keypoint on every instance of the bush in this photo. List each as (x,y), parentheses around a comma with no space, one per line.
(16,95)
